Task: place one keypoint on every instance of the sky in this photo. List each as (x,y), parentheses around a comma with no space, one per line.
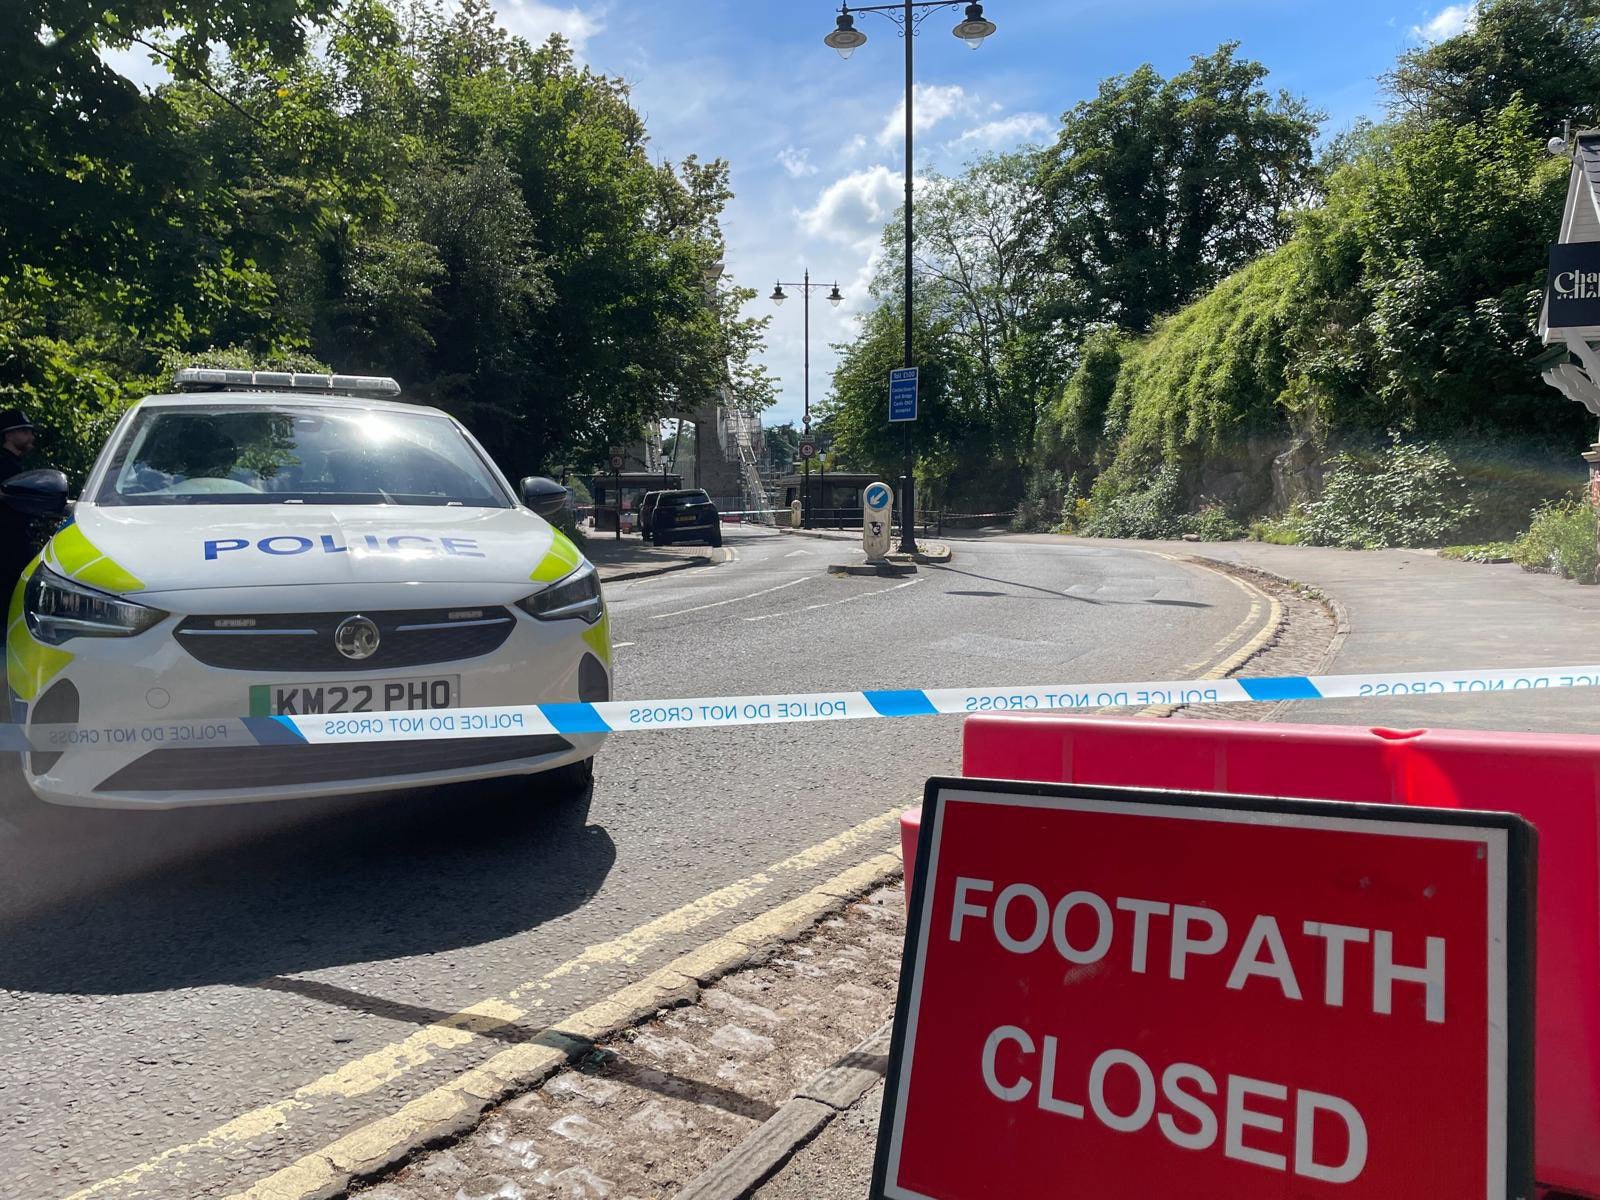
(814,141)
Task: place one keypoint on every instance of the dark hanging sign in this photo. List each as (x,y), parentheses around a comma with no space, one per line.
(1572,286)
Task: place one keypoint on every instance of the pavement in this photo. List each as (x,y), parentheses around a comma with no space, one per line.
(197,1002)
(1410,610)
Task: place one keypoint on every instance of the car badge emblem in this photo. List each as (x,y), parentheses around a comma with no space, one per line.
(356,637)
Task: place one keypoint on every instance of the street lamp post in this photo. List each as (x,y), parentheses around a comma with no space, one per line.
(834,297)
(846,39)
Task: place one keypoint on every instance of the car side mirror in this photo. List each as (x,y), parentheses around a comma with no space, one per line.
(545,496)
(36,493)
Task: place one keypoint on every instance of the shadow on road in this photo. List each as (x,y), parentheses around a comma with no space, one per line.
(1032,587)
(302,889)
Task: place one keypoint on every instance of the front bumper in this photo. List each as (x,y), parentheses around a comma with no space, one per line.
(696,531)
(151,678)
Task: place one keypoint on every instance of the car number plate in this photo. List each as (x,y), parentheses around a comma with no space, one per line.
(685,518)
(366,695)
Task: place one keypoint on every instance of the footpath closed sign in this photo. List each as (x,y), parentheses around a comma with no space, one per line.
(1156,995)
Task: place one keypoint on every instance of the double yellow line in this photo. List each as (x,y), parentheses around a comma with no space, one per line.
(454,1106)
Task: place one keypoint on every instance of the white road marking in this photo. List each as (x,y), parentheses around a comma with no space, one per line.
(793,553)
(622,645)
(830,603)
(732,599)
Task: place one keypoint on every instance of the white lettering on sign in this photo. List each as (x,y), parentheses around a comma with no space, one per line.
(1082,928)
(1258,1124)
(1578,285)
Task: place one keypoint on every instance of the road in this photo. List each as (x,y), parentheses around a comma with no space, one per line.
(163,973)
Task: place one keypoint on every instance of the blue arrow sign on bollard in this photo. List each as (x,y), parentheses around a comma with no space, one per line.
(903,394)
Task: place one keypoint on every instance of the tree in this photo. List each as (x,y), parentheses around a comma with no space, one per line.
(422,195)
(87,162)
(983,275)
(781,445)
(953,442)
(1427,261)
(1545,53)
(1158,188)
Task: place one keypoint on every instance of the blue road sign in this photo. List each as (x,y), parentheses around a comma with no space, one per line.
(903,394)
(877,497)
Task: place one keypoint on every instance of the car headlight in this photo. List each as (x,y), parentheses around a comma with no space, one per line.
(57,608)
(577,595)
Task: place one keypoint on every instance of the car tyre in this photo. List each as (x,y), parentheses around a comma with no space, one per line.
(716,538)
(566,784)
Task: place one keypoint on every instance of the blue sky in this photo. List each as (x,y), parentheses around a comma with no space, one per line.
(814,140)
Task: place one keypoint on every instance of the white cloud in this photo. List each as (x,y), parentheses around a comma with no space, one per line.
(1446,23)
(797,162)
(136,63)
(852,210)
(931,104)
(536,21)
(1007,131)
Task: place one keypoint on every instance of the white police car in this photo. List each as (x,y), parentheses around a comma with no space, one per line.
(268,544)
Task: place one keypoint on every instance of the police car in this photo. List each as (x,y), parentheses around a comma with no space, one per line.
(264,544)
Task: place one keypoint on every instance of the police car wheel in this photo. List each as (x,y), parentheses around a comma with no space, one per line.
(570,782)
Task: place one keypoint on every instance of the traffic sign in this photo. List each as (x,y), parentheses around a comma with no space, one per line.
(877,502)
(1109,992)
(616,462)
(808,449)
(903,394)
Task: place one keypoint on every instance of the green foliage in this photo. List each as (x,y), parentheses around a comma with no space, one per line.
(1275,531)
(1151,511)
(1044,502)
(1541,52)
(1210,375)
(1073,430)
(1423,274)
(1408,494)
(955,447)
(1480,552)
(1408,300)
(1561,540)
(1158,188)
(425,196)
(984,278)
(1213,524)
(782,444)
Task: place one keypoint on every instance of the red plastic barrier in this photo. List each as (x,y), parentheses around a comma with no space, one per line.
(1551,779)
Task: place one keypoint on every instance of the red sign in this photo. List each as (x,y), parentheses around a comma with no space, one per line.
(1144,994)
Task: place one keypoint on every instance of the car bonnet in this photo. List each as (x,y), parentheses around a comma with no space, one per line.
(148,550)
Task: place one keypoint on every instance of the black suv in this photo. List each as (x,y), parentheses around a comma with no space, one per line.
(685,517)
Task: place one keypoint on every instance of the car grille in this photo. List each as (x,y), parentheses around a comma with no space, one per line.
(304,641)
(219,768)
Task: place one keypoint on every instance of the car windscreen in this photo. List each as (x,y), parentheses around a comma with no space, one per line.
(681,499)
(281,455)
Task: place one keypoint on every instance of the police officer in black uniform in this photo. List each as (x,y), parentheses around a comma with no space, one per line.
(17,546)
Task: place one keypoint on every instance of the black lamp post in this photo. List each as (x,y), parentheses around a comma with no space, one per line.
(834,297)
(846,39)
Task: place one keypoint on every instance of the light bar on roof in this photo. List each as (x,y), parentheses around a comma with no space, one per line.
(209,379)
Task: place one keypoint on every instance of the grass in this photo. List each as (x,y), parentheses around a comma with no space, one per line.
(1481,552)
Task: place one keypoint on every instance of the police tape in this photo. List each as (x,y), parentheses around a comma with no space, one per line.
(720,712)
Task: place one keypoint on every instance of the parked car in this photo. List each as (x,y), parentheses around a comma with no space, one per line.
(647,508)
(288,545)
(687,516)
